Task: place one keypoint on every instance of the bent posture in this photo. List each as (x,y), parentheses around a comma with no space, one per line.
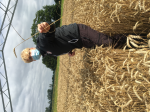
(57,41)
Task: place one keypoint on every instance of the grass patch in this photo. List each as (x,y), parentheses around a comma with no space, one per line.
(62,2)
(55,87)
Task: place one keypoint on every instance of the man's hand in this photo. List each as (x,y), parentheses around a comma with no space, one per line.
(43,27)
(71,53)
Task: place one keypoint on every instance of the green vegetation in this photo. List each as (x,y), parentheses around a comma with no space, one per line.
(55,86)
(49,13)
(50,62)
(55,92)
(62,2)
(52,92)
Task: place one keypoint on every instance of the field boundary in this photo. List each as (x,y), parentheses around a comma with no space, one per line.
(62,2)
(55,92)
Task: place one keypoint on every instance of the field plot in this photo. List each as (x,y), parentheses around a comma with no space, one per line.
(107,79)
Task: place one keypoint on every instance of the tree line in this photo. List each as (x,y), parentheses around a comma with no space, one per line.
(50,96)
(49,13)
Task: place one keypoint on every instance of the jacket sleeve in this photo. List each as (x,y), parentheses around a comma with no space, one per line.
(50,35)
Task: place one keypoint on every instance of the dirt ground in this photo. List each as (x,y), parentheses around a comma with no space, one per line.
(66,79)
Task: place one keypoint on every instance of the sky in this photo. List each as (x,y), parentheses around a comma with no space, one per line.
(28,83)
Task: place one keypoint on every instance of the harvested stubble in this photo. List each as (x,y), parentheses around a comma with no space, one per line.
(105,79)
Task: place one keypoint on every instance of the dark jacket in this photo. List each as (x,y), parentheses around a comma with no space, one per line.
(62,40)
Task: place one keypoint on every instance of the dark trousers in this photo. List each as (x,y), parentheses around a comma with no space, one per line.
(90,38)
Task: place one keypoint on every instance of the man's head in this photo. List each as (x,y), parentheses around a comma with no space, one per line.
(26,55)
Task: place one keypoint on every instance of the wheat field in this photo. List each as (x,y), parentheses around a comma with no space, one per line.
(106,79)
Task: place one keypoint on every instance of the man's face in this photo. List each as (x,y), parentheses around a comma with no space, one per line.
(30,57)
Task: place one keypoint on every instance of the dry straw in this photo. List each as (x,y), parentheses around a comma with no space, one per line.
(112,80)
(115,16)
(107,79)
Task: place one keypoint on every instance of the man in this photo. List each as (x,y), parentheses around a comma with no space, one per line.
(57,41)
